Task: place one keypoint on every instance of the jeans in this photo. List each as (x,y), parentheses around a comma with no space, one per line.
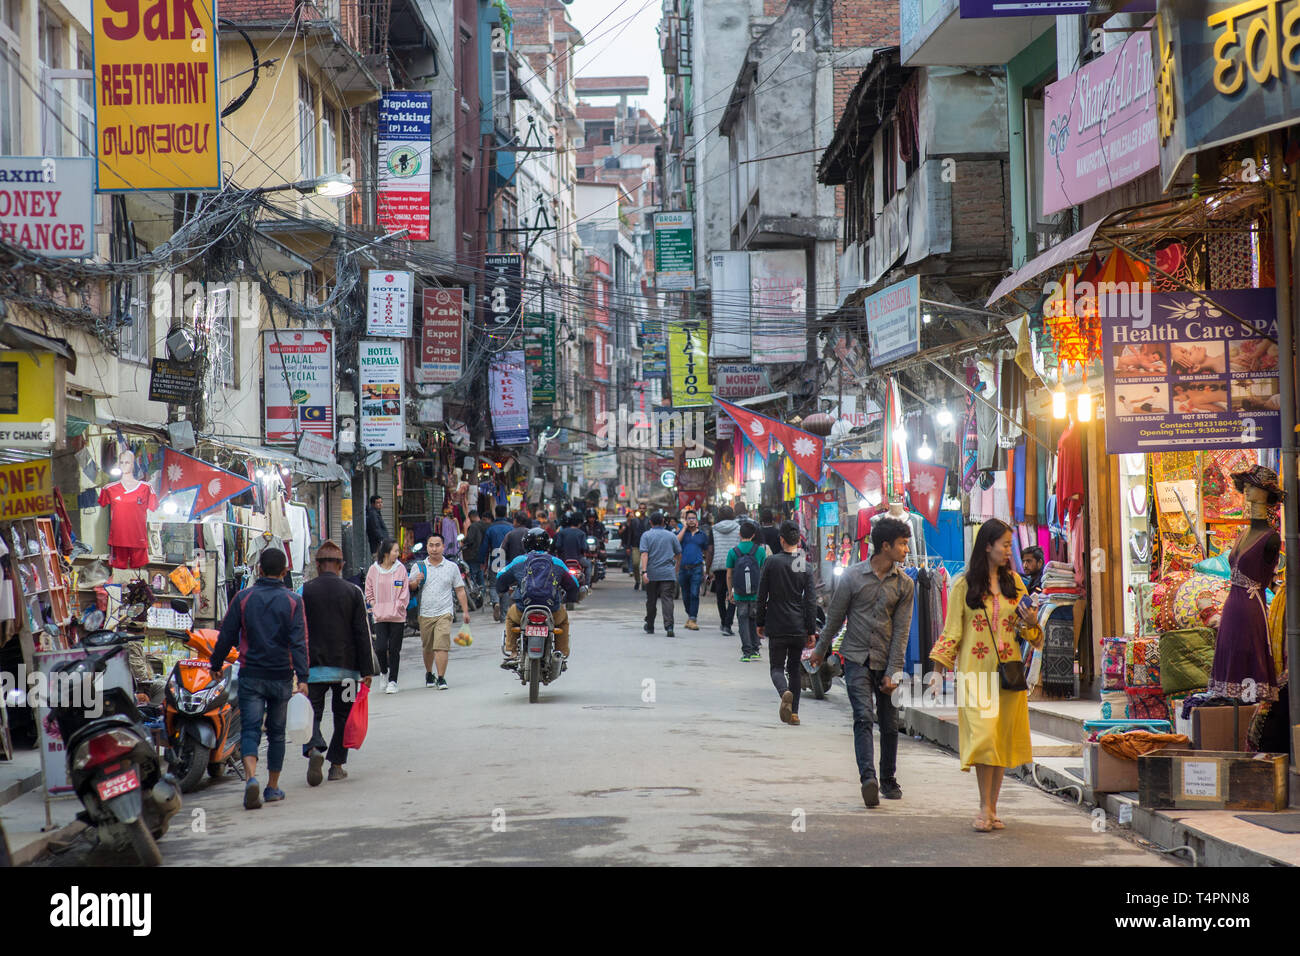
(662,591)
(476,574)
(726,610)
(264,699)
(337,753)
(785,655)
(388,646)
(689,577)
(746,611)
(864,690)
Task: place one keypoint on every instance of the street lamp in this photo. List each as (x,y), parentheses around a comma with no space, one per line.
(331,186)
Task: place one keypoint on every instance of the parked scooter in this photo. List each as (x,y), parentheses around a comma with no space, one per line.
(201,713)
(112,761)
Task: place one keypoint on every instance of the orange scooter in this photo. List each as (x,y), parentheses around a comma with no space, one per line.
(201,714)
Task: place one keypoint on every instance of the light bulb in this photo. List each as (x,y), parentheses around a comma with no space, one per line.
(925,317)
(900,435)
(261,474)
(731,490)
(1059,400)
(925,451)
(944,418)
(756,474)
(115,471)
(1084,408)
(169,507)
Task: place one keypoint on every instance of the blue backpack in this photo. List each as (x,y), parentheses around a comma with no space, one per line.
(537,584)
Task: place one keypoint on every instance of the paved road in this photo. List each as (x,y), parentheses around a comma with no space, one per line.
(648,750)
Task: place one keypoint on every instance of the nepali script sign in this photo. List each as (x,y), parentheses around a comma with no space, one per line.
(156,106)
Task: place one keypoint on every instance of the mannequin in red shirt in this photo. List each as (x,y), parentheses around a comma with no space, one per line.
(128,501)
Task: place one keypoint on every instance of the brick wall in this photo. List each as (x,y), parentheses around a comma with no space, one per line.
(856,23)
(244,11)
(980,209)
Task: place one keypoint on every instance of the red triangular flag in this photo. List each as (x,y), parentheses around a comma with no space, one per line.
(925,489)
(214,486)
(756,428)
(804,449)
(867,478)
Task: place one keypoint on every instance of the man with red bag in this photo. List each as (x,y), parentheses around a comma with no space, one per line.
(338,641)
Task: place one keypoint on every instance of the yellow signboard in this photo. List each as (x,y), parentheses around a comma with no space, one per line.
(688,361)
(156,95)
(31,399)
(26,490)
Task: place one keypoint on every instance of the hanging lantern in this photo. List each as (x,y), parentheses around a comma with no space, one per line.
(819,424)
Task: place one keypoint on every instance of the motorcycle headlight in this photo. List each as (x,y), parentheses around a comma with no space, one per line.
(197,701)
(591,542)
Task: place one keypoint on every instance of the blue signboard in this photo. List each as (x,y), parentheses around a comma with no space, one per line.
(405,115)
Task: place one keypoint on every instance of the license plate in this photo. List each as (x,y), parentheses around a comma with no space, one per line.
(116,786)
(535,630)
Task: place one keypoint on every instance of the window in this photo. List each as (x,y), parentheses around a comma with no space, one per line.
(10,80)
(307,126)
(328,140)
(135,341)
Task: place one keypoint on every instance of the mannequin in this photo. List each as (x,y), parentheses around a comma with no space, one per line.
(128,501)
(1243,659)
(912,520)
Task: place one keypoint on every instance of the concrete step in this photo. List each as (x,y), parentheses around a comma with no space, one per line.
(940,726)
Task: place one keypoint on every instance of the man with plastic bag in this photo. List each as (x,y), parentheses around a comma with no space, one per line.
(542,578)
(338,641)
(269,624)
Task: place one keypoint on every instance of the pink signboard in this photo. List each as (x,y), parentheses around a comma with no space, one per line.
(1099,125)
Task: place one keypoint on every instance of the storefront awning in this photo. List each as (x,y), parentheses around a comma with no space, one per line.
(312,471)
(1053,257)
(16,337)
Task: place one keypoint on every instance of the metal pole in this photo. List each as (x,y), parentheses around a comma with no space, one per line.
(360,544)
(1284,269)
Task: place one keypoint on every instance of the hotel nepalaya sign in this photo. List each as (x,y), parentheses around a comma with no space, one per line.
(155,80)
(1225,71)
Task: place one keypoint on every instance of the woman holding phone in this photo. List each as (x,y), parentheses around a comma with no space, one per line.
(988,609)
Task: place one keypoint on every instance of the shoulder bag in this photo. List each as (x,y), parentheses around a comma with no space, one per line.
(1010,673)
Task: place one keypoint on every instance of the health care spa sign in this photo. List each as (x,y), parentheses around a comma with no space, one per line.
(156,95)
(1187,376)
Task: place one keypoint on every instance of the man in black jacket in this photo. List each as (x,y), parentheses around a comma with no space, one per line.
(787,606)
(376,527)
(338,641)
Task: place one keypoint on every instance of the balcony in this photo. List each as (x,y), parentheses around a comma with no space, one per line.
(347,38)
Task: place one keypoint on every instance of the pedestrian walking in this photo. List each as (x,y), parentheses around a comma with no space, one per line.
(874,597)
(768,533)
(268,623)
(661,555)
(744,571)
(492,558)
(341,660)
(512,545)
(376,527)
(473,545)
(724,536)
(387,600)
(696,555)
(988,610)
(436,580)
(636,525)
(787,608)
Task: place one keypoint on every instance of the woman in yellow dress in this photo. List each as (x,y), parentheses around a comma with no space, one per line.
(984,603)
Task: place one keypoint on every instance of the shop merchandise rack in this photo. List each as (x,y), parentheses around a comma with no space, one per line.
(45,589)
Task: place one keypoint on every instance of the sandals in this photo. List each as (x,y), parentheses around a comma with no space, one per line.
(982,825)
(997,824)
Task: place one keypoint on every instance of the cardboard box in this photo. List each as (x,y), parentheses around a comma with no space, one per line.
(1212,727)
(1106,773)
(1212,780)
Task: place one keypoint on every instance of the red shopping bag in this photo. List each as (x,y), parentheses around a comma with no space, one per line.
(354,731)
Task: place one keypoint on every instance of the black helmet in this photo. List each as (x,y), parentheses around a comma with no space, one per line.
(536,539)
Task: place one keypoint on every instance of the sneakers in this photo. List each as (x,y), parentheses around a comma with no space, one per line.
(272,794)
(668,632)
(890,790)
(691,625)
(728,632)
(794,720)
(442,683)
(509,664)
(750,658)
(338,773)
(786,710)
(252,794)
(430,680)
(496,613)
(314,763)
(648,628)
(391,688)
(871,793)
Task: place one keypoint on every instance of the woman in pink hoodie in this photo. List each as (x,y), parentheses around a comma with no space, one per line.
(386,597)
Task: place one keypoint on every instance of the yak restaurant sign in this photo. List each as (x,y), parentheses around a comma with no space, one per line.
(46,205)
(155,78)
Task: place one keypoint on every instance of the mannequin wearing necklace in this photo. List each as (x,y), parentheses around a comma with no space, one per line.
(128,501)
(912,520)
(1243,659)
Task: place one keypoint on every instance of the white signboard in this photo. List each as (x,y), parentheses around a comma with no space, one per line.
(383,419)
(740,381)
(894,322)
(46,205)
(729,303)
(298,371)
(388,309)
(778,282)
(314,448)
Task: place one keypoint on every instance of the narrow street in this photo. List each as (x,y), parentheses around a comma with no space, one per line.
(703,773)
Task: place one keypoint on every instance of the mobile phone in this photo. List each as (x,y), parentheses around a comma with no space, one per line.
(1025,602)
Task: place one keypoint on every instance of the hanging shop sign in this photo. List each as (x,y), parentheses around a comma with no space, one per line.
(729,305)
(1189,377)
(313,447)
(298,372)
(509,404)
(740,381)
(778,282)
(46,205)
(600,465)
(539,354)
(383,419)
(503,287)
(688,351)
(173,382)
(985,9)
(388,303)
(405,162)
(32,400)
(1100,125)
(27,490)
(1227,71)
(654,349)
(674,251)
(443,337)
(894,322)
(668,478)
(155,79)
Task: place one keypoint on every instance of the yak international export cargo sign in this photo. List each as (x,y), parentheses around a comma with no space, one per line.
(443,336)
(405,162)
(1100,125)
(46,204)
(1188,376)
(674,251)
(298,372)
(893,322)
(156,108)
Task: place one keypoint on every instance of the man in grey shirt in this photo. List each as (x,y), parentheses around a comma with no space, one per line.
(661,553)
(875,597)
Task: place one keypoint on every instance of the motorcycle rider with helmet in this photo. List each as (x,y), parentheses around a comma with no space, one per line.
(563,589)
(571,542)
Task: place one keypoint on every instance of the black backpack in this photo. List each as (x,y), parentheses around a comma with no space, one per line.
(745,571)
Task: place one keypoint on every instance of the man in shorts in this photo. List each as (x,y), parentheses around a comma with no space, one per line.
(436,580)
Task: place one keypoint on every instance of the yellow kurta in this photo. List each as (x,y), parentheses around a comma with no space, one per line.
(993,723)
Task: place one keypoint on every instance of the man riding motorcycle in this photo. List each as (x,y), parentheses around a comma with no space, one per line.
(563,589)
(570,544)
